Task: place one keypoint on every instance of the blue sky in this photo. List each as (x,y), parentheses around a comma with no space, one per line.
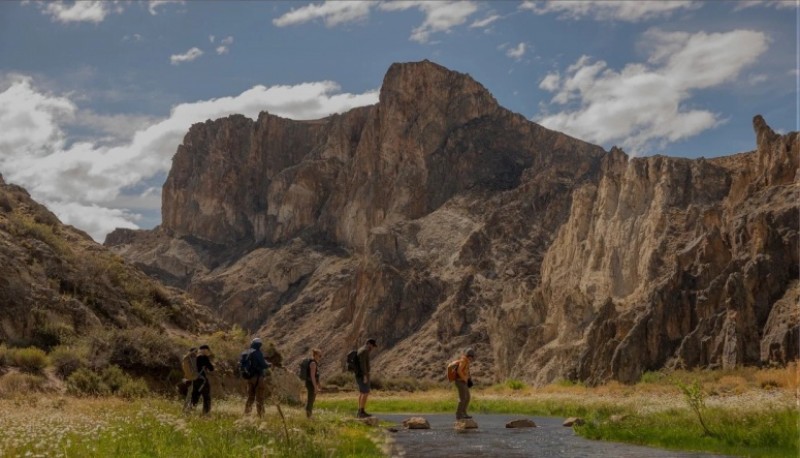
(96,96)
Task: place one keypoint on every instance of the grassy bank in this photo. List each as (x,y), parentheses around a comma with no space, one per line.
(746,413)
(743,413)
(152,427)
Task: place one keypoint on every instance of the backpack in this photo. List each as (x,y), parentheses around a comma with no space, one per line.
(352,361)
(304,371)
(246,367)
(189,367)
(452,371)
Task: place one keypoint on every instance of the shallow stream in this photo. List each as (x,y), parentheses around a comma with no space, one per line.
(493,439)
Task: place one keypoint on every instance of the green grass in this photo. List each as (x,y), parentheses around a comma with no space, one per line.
(444,404)
(769,433)
(156,427)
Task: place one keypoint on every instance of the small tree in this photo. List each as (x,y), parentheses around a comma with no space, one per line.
(696,398)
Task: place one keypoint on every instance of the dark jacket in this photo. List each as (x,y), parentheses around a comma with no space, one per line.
(204,366)
(259,363)
(363,361)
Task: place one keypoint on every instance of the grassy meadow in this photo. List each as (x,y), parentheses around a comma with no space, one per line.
(742,412)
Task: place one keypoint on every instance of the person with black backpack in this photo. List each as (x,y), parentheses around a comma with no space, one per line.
(362,376)
(254,369)
(201,385)
(309,373)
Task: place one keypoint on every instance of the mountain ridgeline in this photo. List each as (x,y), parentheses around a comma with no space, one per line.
(437,219)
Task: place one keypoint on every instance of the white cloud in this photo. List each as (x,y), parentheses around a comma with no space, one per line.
(83,181)
(517,52)
(610,10)
(82,11)
(551,82)
(332,13)
(133,37)
(188,56)
(211,38)
(153,5)
(485,22)
(757,79)
(645,105)
(440,16)
(778,4)
(224,46)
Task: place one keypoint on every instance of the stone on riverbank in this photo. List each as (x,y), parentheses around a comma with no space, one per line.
(573,421)
(416,423)
(521,423)
(465,424)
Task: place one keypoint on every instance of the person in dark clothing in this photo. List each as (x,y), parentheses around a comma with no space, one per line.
(201,385)
(257,384)
(312,382)
(362,376)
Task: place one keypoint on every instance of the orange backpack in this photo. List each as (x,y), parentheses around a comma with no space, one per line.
(452,371)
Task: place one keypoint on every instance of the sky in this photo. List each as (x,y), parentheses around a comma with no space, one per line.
(96,96)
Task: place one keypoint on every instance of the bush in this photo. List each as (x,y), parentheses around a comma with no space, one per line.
(114,378)
(16,383)
(30,359)
(4,358)
(86,382)
(133,389)
(67,360)
(342,379)
(652,377)
(515,384)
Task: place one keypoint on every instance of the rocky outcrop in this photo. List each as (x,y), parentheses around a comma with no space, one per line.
(57,284)
(437,219)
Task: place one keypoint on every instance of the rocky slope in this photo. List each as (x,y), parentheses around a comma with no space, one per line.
(437,219)
(57,284)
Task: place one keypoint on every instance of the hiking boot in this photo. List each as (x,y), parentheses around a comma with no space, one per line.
(362,415)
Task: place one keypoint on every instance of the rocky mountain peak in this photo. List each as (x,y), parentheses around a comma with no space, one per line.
(437,220)
(420,88)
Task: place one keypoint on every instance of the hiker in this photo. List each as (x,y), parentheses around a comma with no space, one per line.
(362,377)
(189,368)
(312,379)
(257,379)
(202,385)
(464,383)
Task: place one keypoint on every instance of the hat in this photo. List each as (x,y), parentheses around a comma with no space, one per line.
(470,352)
(256,340)
(372,341)
(204,347)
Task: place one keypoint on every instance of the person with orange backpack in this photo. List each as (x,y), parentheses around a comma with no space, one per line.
(190,374)
(458,372)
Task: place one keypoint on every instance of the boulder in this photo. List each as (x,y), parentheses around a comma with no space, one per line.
(521,423)
(465,424)
(573,421)
(416,423)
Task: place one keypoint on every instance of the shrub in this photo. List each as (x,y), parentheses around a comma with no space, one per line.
(114,378)
(66,360)
(30,359)
(651,377)
(342,379)
(16,383)
(516,384)
(133,388)
(4,352)
(84,382)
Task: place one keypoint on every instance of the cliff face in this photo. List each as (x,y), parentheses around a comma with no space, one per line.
(57,284)
(437,219)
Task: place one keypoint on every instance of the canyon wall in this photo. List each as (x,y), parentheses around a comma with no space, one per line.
(437,219)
